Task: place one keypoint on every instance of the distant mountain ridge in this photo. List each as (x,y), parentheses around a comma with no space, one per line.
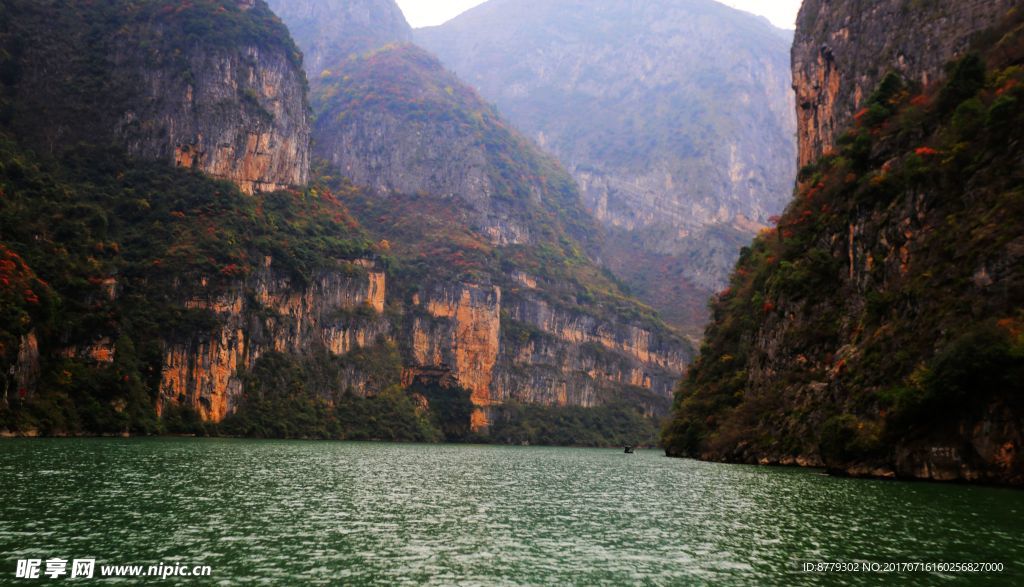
(676,118)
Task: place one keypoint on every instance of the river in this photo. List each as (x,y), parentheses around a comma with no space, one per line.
(283,512)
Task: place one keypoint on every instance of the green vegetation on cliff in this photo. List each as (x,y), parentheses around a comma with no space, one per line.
(302,398)
(100,252)
(610,425)
(885,313)
(433,237)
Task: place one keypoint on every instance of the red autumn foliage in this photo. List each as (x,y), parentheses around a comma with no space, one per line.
(232,270)
(925,151)
(17,279)
(1008,86)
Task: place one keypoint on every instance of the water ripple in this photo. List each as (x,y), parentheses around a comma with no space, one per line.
(274,513)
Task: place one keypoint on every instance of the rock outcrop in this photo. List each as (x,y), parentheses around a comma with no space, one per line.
(841,52)
(155,79)
(270,312)
(675,118)
(242,117)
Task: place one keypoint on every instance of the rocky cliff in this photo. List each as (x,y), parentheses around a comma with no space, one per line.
(877,330)
(675,118)
(841,52)
(215,86)
(269,312)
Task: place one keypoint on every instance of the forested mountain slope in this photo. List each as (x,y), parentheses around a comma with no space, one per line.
(879,328)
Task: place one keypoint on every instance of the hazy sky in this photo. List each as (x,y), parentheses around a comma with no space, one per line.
(419,13)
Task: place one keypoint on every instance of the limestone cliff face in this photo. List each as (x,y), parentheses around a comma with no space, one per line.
(26,366)
(499,349)
(216,86)
(521,348)
(842,50)
(270,312)
(340,29)
(459,329)
(240,116)
(559,357)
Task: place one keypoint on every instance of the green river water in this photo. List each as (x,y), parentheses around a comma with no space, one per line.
(282,513)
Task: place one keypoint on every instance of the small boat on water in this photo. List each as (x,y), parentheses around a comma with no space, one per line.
(629,450)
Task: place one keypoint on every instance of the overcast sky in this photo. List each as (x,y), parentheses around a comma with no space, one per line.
(420,13)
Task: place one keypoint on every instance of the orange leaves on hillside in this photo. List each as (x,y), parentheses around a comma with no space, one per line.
(17,280)
(232,270)
(920,100)
(1007,87)
(925,152)
(1015,326)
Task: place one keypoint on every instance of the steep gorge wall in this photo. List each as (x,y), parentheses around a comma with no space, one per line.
(217,87)
(269,312)
(463,331)
(518,347)
(842,50)
(238,116)
(878,329)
